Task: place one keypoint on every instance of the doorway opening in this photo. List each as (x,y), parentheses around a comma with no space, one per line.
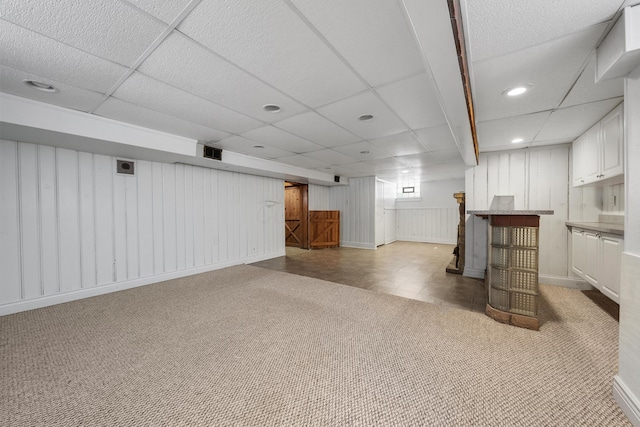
(296,215)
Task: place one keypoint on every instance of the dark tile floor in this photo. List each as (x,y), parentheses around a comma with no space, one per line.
(407,269)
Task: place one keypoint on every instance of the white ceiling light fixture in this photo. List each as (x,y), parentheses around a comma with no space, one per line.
(404,171)
(365,117)
(259,147)
(517,140)
(517,90)
(43,87)
(271,108)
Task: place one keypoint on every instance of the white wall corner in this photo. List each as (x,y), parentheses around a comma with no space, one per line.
(473,272)
(629,403)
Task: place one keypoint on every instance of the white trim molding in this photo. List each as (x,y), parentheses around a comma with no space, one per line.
(358,245)
(565,282)
(473,272)
(627,401)
(426,240)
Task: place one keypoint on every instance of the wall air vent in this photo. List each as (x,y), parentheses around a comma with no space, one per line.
(126,167)
(212,153)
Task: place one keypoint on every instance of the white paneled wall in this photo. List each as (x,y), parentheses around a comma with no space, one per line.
(69,225)
(613,199)
(434,225)
(539,179)
(356,203)
(319,197)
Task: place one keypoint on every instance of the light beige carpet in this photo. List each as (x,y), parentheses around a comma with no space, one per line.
(250,346)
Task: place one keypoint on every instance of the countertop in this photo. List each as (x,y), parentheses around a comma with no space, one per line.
(602,227)
(514,212)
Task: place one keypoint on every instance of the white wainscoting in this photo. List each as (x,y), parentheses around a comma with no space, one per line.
(433,225)
(69,223)
(356,203)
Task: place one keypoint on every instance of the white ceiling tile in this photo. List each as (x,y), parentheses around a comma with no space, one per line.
(269,40)
(363,151)
(437,138)
(387,164)
(154,95)
(187,65)
(586,90)
(372,35)
(242,145)
(11,81)
(108,29)
(313,127)
(347,111)
(401,144)
(303,162)
(31,52)
(330,157)
(162,9)
(342,171)
(417,160)
(119,110)
(358,167)
(445,171)
(502,131)
(572,122)
(274,137)
(446,156)
(550,68)
(497,27)
(415,101)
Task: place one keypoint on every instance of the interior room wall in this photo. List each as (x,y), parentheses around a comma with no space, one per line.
(71,227)
(356,203)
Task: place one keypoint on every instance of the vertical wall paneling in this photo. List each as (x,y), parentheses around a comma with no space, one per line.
(198,213)
(517,178)
(132,236)
(223,229)
(87,220)
(29,221)
(319,196)
(164,191)
(181,239)
(68,219)
(147,205)
(189,217)
(120,226)
(11,290)
(215,217)
(206,216)
(245,209)
(49,221)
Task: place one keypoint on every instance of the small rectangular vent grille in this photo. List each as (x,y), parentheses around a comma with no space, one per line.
(126,167)
(212,153)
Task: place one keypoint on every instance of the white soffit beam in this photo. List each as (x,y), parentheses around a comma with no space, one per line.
(34,114)
(619,52)
(431,24)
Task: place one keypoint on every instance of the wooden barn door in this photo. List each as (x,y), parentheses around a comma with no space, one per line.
(296,215)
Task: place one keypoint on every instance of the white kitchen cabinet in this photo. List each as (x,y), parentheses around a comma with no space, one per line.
(592,255)
(578,254)
(598,153)
(611,252)
(596,258)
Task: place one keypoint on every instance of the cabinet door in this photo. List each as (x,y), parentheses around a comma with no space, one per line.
(578,161)
(591,155)
(612,144)
(577,251)
(611,252)
(592,257)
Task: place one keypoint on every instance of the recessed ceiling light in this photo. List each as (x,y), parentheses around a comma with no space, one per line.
(365,152)
(515,91)
(517,140)
(404,171)
(44,87)
(271,108)
(365,117)
(259,147)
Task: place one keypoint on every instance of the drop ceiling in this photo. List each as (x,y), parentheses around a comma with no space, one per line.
(205,69)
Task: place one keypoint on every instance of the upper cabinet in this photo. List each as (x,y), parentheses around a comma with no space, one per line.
(598,153)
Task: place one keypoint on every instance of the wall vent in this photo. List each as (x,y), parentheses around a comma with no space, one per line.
(126,167)
(212,153)
(336,178)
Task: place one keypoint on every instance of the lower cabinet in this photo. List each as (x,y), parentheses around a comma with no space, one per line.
(596,259)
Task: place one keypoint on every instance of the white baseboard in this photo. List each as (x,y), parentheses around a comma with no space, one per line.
(473,272)
(565,282)
(390,241)
(49,300)
(427,240)
(358,245)
(627,401)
